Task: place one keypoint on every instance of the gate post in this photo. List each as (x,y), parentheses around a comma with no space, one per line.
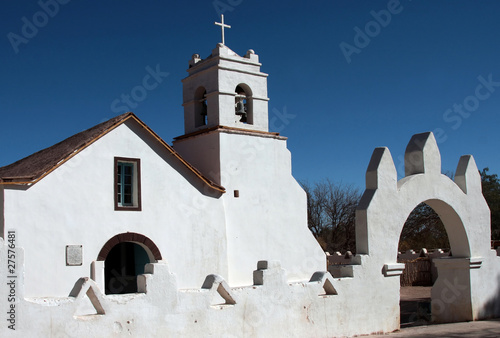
(451,293)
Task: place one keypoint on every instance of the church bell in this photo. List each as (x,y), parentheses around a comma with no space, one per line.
(240,110)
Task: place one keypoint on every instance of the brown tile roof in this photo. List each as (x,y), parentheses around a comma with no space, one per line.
(33,168)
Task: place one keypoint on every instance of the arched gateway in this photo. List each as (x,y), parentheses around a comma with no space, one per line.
(386,204)
(125,256)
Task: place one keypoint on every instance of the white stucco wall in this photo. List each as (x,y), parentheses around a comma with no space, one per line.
(269,218)
(2,211)
(270,307)
(74,205)
(202,151)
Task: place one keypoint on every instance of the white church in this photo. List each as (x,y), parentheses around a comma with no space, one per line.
(114,232)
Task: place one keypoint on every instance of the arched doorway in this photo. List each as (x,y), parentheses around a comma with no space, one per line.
(423,239)
(122,266)
(450,270)
(125,256)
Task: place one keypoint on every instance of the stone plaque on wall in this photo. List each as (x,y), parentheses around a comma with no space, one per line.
(74,255)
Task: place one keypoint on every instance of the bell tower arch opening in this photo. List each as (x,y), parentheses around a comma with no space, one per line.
(243,104)
(201,107)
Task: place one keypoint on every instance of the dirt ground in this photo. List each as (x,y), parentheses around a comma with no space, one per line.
(415,319)
(415,293)
(486,329)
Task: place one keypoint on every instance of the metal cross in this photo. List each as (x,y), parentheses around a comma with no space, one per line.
(222,25)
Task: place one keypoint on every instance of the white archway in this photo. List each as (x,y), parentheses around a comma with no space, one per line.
(460,204)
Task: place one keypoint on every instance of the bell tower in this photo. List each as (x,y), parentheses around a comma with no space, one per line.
(226,137)
(223,94)
(226,90)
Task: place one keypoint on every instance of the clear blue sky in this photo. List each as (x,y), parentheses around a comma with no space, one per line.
(431,65)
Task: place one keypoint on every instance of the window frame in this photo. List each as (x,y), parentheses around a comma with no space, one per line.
(136,204)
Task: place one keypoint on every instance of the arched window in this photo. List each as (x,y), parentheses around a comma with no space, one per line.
(201,107)
(243,104)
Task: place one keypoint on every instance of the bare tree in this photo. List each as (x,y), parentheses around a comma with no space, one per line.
(331,209)
(423,229)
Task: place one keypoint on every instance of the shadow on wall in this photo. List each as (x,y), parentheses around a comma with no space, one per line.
(492,308)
